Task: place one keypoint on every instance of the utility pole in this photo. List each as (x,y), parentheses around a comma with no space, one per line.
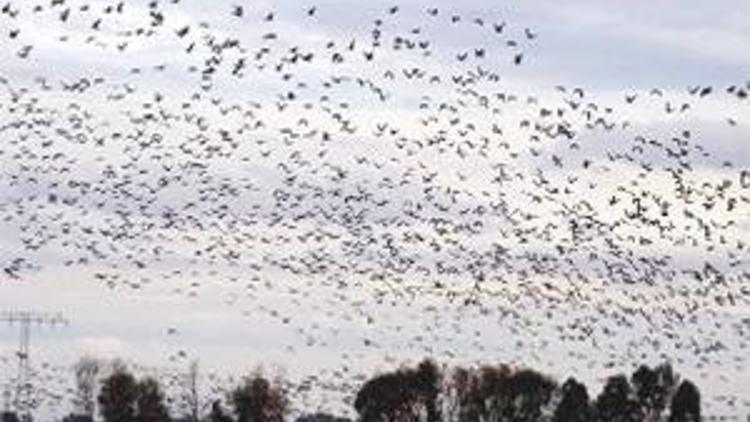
(23,398)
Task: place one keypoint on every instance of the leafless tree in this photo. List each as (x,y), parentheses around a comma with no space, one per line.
(87,373)
(192,401)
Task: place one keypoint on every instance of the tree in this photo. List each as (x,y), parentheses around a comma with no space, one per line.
(496,393)
(191,400)
(217,413)
(321,417)
(9,417)
(77,418)
(428,379)
(382,398)
(616,403)
(150,406)
(530,391)
(653,388)
(686,404)
(87,371)
(494,397)
(461,398)
(404,395)
(117,398)
(574,405)
(258,400)
(509,395)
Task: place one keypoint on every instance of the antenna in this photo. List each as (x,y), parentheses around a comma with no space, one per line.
(25,319)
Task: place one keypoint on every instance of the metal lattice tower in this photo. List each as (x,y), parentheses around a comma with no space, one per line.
(22,402)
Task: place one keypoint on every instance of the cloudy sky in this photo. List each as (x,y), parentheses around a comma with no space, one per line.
(182,307)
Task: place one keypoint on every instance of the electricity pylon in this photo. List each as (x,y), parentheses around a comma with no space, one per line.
(23,395)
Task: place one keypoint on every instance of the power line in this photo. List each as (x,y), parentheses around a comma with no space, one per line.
(22,401)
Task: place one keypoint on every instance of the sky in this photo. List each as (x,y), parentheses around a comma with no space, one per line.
(265,308)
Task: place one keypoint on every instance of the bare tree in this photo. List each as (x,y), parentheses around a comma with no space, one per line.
(462,400)
(191,397)
(87,372)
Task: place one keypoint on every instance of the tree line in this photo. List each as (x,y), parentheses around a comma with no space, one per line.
(499,393)
(426,392)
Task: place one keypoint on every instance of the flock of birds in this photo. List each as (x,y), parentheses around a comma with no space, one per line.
(380,177)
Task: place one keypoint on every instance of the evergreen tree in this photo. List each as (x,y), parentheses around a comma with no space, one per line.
(616,402)
(428,380)
(117,398)
(686,404)
(150,406)
(574,405)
